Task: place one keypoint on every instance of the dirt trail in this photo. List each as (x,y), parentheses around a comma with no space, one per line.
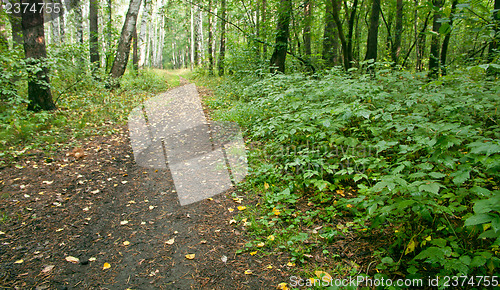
(95,204)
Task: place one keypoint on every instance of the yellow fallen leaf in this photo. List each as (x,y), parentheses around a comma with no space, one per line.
(242,207)
(266,186)
(92,259)
(2,233)
(260,245)
(72,259)
(230,209)
(151,207)
(248,272)
(271,238)
(19,261)
(233,221)
(48,268)
(210,199)
(106,266)
(324,276)
(290,264)
(170,242)
(190,256)
(411,247)
(123,223)
(253,253)
(276,211)
(126,243)
(269,267)
(282,286)
(349,205)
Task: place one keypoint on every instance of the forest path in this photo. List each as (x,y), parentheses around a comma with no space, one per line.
(123,223)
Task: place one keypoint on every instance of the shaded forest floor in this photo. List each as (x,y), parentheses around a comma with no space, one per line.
(90,218)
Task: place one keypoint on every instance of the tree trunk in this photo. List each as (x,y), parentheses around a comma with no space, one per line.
(307,27)
(222,50)
(446,41)
(343,41)
(135,54)
(372,40)
(109,27)
(330,44)
(350,57)
(278,57)
(210,40)
(54,16)
(94,35)
(493,47)
(396,47)
(434,63)
(17,29)
(123,50)
(39,94)
(142,34)
(62,23)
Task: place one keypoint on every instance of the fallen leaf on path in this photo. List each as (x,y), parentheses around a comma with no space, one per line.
(266,185)
(237,199)
(269,267)
(48,268)
(203,241)
(260,245)
(282,286)
(2,233)
(170,242)
(92,259)
(72,259)
(151,207)
(248,272)
(233,221)
(230,209)
(290,264)
(224,259)
(19,261)
(242,207)
(324,276)
(253,253)
(190,256)
(271,238)
(276,211)
(126,243)
(123,223)
(48,182)
(106,266)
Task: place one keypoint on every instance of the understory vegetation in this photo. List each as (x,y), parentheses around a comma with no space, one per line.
(86,106)
(409,164)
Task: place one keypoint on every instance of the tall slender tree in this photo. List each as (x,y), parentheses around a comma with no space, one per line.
(330,43)
(396,46)
(434,60)
(94,35)
(123,50)
(278,58)
(39,93)
(446,40)
(372,41)
(307,27)
(145,17)
(222,49)
(493,47)
(210,40)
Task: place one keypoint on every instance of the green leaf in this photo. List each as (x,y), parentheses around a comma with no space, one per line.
(478,219)
(461,177)
(478,261)
(432,187)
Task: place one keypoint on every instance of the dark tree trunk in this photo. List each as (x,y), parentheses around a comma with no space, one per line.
(135,52)
(343,41)
(372,41)
(109,26)
(278,57)
(307,27)
(17,29)
(39,94)
(493,48)
(330,43)
(352,18)
(123,50)
(396,47)
(94,35)
(434,63)
(210,40)
(222,50)
(446,41)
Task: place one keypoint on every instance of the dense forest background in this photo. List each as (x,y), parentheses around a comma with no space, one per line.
(365,117)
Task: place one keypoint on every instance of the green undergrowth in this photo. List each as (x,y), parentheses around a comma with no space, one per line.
(410,166)
(85,106)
